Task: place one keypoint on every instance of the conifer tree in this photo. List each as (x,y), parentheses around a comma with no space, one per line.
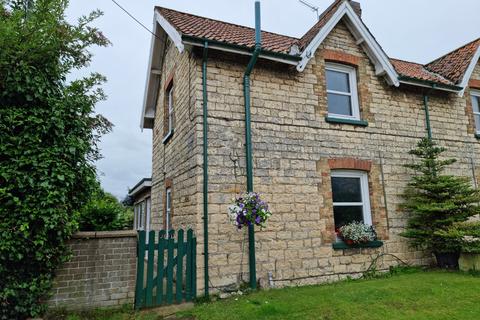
(435,201)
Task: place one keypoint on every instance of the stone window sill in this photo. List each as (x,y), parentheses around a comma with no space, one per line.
(361,123)
(167,137)
(371,244)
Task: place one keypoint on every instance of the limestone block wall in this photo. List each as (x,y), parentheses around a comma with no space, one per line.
(292,146)
(176,162)
(100,273)
(294,151)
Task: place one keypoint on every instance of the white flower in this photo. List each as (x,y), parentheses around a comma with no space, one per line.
(233,212)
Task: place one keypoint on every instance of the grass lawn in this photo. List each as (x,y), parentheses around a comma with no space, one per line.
(418,295)
(124,313)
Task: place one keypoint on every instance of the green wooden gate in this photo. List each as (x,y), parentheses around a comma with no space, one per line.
(170,275)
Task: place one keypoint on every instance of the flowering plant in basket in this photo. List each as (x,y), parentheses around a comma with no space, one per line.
(249,209)
(357,232)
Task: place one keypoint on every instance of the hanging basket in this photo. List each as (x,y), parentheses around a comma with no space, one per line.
(249,209)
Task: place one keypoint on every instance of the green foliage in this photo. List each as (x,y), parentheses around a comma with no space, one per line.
(125,312)
(467,234)
(436,201)
(48,142)
(373,273)
(105,213)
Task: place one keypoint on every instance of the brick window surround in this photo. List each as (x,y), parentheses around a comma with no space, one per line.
(168,184)
(475,84)
(340,57)
(350,164)
(360,64)
(377,205)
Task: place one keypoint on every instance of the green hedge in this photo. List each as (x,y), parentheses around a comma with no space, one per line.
(105,213)
(48,144)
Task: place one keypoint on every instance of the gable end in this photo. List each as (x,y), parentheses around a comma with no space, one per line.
(383,67)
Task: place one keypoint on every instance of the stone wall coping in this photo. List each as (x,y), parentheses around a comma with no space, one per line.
(105,234)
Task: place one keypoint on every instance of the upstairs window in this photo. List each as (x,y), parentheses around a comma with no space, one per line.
(168,113)
(342,96)
(476,109)
(350,197)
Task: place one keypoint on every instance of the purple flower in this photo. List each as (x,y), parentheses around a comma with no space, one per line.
(240,219)
(250,209)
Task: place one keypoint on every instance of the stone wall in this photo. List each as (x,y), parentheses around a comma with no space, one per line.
(293,149)
(175,162)
(292,145)
(100,273)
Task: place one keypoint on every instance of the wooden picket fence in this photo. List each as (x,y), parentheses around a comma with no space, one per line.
(168,278)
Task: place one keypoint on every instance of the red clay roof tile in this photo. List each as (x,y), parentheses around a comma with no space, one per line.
(447,70)
(417,71)
(324,17)
(200,27)
(453,65)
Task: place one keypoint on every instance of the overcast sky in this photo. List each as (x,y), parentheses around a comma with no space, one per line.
(412,30)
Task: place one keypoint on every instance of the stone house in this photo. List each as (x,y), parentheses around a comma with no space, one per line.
(332,117)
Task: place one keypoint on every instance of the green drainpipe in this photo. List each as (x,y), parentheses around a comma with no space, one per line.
(427,114)
(205,165)
(248,140)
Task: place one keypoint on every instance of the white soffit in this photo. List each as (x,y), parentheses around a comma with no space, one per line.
(468,73)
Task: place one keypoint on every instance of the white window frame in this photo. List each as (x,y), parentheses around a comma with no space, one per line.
(135,217)
(142,215)
(170,108)
(365,192)
(476,95)
(353,94)
(140,219)
(170,102)
(168,208)
(148,205)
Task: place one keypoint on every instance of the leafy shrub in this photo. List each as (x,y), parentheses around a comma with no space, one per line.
(48,143)
(105,213)
(435,201)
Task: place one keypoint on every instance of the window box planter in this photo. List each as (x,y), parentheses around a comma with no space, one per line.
(371,244)
(469,261)
(360,123)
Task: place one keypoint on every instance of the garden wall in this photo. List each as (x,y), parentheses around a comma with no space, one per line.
(100,273)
